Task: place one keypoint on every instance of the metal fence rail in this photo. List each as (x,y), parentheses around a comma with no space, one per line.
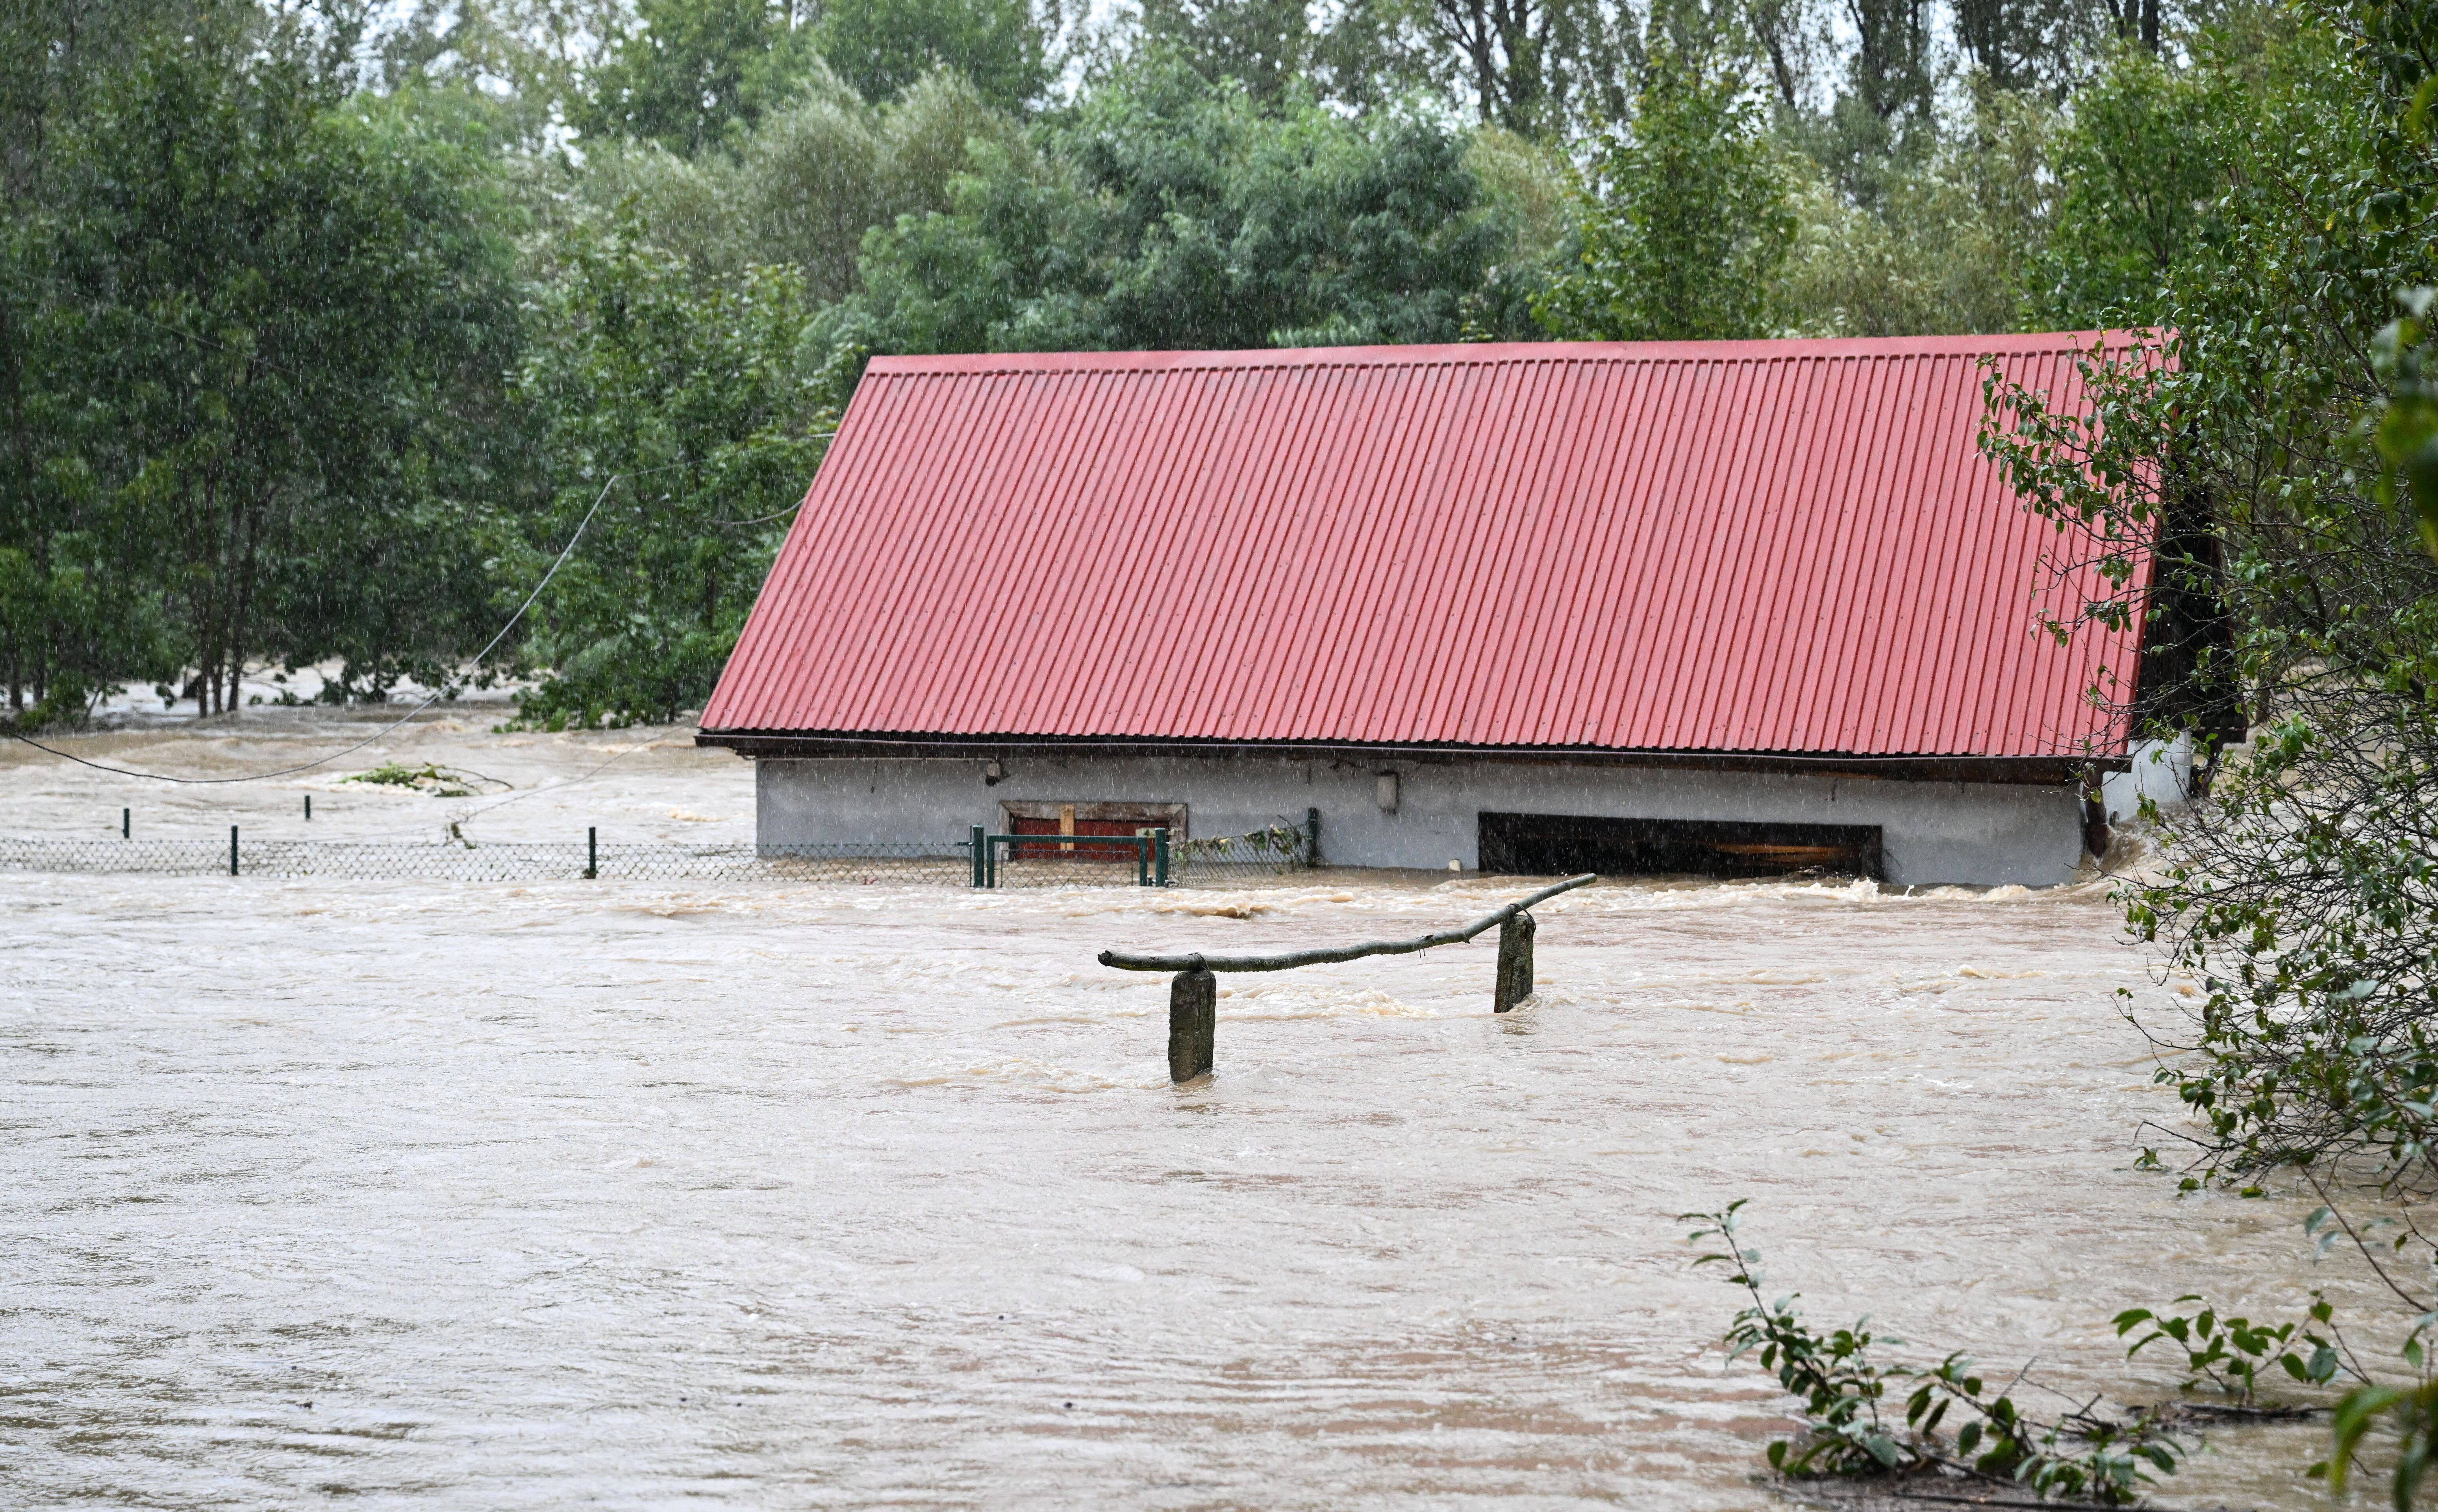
(941,864)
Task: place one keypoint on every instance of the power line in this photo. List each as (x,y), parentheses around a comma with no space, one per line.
(447,684)
(467,815)
(759,520)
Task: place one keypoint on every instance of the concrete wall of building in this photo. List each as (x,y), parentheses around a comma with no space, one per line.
(2162,772)
(1931,832)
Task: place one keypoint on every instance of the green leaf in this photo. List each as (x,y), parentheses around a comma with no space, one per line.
(2416,117)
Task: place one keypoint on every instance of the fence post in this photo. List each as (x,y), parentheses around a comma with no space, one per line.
(592,852)
(1193,1022)
(126,823)
(1142,858)
(232,849)
(1311,837)
(1159,857)
(1514,983)
(978,844)
(309,808)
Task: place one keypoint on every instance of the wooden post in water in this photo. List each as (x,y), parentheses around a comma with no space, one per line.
(1193,1022)
(1515,964)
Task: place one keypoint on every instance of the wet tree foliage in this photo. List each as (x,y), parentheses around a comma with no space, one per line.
(2258,475)
(2290,581)
(1652,265)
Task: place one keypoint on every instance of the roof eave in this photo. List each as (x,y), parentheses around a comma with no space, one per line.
(2043,767)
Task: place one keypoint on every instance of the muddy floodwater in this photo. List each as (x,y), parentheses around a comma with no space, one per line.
(632,1195)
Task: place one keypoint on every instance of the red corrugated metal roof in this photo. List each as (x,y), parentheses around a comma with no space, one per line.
(1731,546)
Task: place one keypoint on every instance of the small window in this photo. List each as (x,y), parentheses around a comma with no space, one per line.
(1565,844)
(1062,818)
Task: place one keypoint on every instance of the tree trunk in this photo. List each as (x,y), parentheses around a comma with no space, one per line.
(248,570)
(232,601)
(210,589)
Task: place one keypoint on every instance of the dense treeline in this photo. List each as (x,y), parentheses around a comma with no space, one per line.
(322,329)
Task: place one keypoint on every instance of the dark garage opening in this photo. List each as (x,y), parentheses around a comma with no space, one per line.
(1565,844)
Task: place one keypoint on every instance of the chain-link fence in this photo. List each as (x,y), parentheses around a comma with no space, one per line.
(1279,848)
(512,861)
(945,863)
(1046,859)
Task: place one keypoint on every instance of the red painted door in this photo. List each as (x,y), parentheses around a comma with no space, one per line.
(1082,850)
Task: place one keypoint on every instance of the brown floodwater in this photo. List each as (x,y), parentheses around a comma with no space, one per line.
(632,1195)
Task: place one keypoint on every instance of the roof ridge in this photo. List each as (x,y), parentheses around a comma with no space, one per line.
(1488,354)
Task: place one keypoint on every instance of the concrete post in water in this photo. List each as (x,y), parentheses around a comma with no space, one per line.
(1515,964)
(1193,1022)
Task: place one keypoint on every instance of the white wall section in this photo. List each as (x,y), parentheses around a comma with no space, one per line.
(1975,833)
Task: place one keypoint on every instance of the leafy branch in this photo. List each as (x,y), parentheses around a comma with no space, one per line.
(1279,842)
(2079,1455)
(2229,1352)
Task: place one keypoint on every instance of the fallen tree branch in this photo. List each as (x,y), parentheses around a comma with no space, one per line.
(1125,961)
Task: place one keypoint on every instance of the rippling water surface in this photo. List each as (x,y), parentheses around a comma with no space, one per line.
(631,1196)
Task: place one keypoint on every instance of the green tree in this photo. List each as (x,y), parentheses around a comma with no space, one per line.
(274,328)
(70,623)
(2139,168)
(54,54)
(1683,218)
(805,183)
(1537,67)
(1356,55)
(522,63)
(1525,187)
(2219,476)
(1174,212)
(1948,247)
(681,421)
(883,48)
(1267,45)
(1880,121)
(814,180)
(2019,45)
(688,69)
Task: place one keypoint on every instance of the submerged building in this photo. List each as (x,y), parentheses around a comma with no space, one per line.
(1536,607)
